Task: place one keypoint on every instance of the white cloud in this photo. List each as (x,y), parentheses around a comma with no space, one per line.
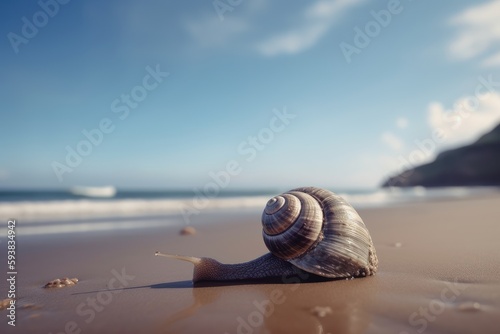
(479,31)
(464,123)
(402,122)
(241,28)
(492,61)
(293,41)
(328,9)
(392,141)
(316,21)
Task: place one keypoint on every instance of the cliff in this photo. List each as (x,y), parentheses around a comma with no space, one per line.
(477,164)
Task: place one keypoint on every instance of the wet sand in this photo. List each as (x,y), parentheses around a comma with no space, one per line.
(439,272)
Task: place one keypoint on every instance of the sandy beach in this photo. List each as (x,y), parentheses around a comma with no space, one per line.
(439,272)
(140,138)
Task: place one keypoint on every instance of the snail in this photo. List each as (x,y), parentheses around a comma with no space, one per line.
(309,228)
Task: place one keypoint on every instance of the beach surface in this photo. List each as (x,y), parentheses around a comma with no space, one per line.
(439,272)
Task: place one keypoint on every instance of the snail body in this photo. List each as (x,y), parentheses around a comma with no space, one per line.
(308,228)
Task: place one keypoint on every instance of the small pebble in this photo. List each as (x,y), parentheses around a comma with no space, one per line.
(469,306)
(321,311)
(61,283)
(4,303)
(398,245)
(188,230)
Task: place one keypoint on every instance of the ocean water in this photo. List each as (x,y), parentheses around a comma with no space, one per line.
(96,209)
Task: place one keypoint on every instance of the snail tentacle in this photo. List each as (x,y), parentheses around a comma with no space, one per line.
(192,259)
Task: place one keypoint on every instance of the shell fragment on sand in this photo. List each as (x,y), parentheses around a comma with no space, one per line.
(188,230)
(61,282)
(5,303)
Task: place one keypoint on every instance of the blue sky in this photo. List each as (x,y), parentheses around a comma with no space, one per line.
(231,70)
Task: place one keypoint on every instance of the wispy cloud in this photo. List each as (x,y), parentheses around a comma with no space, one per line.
(241,27)
(392,141)
(463,124)
(492,61)
(479,30)
(402,122)
(293,41)
(315,23)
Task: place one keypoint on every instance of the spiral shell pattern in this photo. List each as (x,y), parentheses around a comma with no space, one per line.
(319,232)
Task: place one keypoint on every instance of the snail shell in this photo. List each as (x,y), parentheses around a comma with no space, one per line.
(319,232)
(308,228)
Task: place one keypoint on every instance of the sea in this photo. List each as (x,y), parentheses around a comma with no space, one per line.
(82,209)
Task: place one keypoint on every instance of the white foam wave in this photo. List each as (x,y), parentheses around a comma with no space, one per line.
(35,211)
(78,209)
(78,227)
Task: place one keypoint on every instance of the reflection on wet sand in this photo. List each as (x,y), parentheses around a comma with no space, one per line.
(247,307)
